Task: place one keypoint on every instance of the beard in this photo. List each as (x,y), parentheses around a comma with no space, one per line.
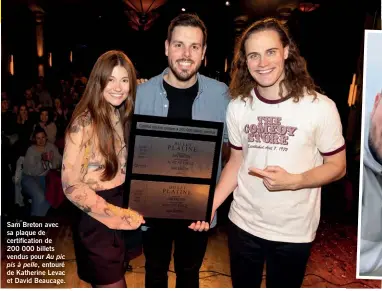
(375,148)
(184,75)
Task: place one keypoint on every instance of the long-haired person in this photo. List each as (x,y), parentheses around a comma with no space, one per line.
(286,142)
(94,168)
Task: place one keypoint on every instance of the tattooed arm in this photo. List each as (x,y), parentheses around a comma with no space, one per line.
(79,193)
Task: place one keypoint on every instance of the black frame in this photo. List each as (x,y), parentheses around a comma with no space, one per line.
(185,180)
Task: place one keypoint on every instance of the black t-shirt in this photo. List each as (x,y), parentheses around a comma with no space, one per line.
(180,100)
(180,106)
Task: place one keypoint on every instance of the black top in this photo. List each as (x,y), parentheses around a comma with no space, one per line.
(180,100)
(180,106)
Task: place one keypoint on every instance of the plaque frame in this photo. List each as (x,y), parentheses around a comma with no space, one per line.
(211,182)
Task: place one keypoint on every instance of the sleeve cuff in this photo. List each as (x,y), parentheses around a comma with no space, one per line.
(340,149)
(235,147)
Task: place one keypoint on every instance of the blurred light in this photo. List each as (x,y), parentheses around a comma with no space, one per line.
(184,9)
(11,66)
(40,40)
(142,13)
(308,7)
(71,57)
(352,91)
(50,59)
(41,70)
(227,3)
(205,61)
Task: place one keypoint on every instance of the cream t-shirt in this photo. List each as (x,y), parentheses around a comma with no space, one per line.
(294,136)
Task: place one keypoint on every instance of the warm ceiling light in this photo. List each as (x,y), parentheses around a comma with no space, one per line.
(307,6)
(227,3)
(142,13)
(183,9)
(11,66)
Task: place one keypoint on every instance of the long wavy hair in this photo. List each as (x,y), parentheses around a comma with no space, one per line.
(297,80)
(19,118)
(93,108)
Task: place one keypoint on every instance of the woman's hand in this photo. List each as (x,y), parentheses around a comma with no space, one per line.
(129,219)
(132,219)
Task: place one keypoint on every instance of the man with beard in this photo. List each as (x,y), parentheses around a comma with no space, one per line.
(371,223)
(180,92)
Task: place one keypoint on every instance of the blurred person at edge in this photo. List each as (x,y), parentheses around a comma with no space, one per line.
(371,222)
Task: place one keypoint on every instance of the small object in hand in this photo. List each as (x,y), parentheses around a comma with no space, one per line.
(50,155)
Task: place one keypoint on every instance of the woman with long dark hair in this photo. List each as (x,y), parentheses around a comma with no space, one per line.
(23,124)
(94,168)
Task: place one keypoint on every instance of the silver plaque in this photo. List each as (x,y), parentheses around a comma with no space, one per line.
(169,199)
(173,157)
(177,128)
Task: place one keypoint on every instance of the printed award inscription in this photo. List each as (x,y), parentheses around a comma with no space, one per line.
(171,200)
(173,157)
(173,167)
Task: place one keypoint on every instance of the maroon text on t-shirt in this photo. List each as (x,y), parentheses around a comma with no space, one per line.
(269,130)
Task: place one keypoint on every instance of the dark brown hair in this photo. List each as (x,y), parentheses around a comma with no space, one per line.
(94,108)
(38,129)
(187,19)
(297,79)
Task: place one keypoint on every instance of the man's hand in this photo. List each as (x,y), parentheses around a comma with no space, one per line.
(202,225)
(276,178)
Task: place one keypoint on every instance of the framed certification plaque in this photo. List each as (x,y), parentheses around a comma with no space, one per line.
(172,166)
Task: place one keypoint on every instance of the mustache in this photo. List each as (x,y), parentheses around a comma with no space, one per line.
(185,60)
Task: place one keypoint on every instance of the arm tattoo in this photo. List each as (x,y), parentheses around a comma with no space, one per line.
(108,212)
(80,197)
(74,128)
(69,190)
(87,209)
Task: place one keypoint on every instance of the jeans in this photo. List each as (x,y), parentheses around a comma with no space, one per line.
(34,187)
(189,249)
(285,262)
